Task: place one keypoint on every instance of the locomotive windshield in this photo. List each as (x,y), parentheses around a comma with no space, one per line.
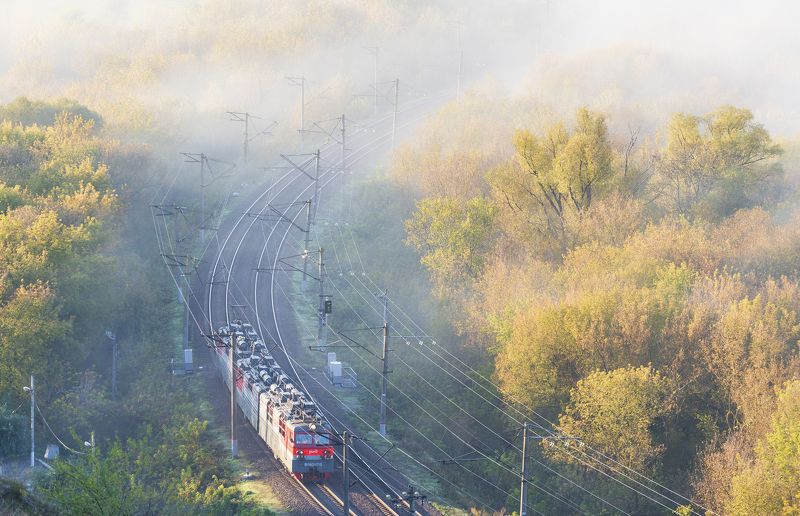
(321,439)
(301,438)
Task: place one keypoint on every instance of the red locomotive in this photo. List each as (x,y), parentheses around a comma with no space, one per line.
(282,415)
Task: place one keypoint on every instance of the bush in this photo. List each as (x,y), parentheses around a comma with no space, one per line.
(13,434)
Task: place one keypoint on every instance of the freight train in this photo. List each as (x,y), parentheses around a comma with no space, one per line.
(282,415)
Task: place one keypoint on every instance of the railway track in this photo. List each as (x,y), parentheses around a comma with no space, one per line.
(320,496)
(332,504)
(324,496)
(360,154)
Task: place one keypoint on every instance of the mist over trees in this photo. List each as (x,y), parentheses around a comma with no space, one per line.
(70,271)
(644,300)
(604,225)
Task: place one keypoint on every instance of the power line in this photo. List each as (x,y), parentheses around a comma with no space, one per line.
(446,428)
(453,357)
(54,434)
(289,357)
(256,277)
(503,466)
(578,459)
(166,239)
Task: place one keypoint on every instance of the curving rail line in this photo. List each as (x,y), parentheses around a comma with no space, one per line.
(323,495)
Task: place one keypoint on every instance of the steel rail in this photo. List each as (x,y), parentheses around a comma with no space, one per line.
(375,141)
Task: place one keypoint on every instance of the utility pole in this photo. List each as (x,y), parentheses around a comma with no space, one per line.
(232,377)
(460,66)
(113,338)
(309,218)
(186,289)
(246,136)
(193,157)
(243,117)
(345,175)
(311,205)
(375,84)
(185,301)
(322,327)
(114,369)
(316,183)
(377,50)
(301,81)
(385,358)
(202,198)
(33,406)
(523,488)
(394,118)
(345,475)
(344,147)
(182,299)
(460,60)
(307,244)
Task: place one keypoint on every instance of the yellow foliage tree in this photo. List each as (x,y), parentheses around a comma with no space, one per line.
(770,485)
(615,412)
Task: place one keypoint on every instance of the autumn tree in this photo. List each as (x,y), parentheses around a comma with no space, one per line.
(717,163)
(453,237)
(645,292)
(31,334)
(612,316)
(753,347)
(25,111)
(553,175)
(617,412)
(771,484)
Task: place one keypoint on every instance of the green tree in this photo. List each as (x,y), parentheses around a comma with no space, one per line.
(30,333)
(608,321)
(13,432)
(29,112)
(11,197)
(453,238)
(617,412)
(179,470)
(553,175)
(98,484)
(710,157)
(771,484)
